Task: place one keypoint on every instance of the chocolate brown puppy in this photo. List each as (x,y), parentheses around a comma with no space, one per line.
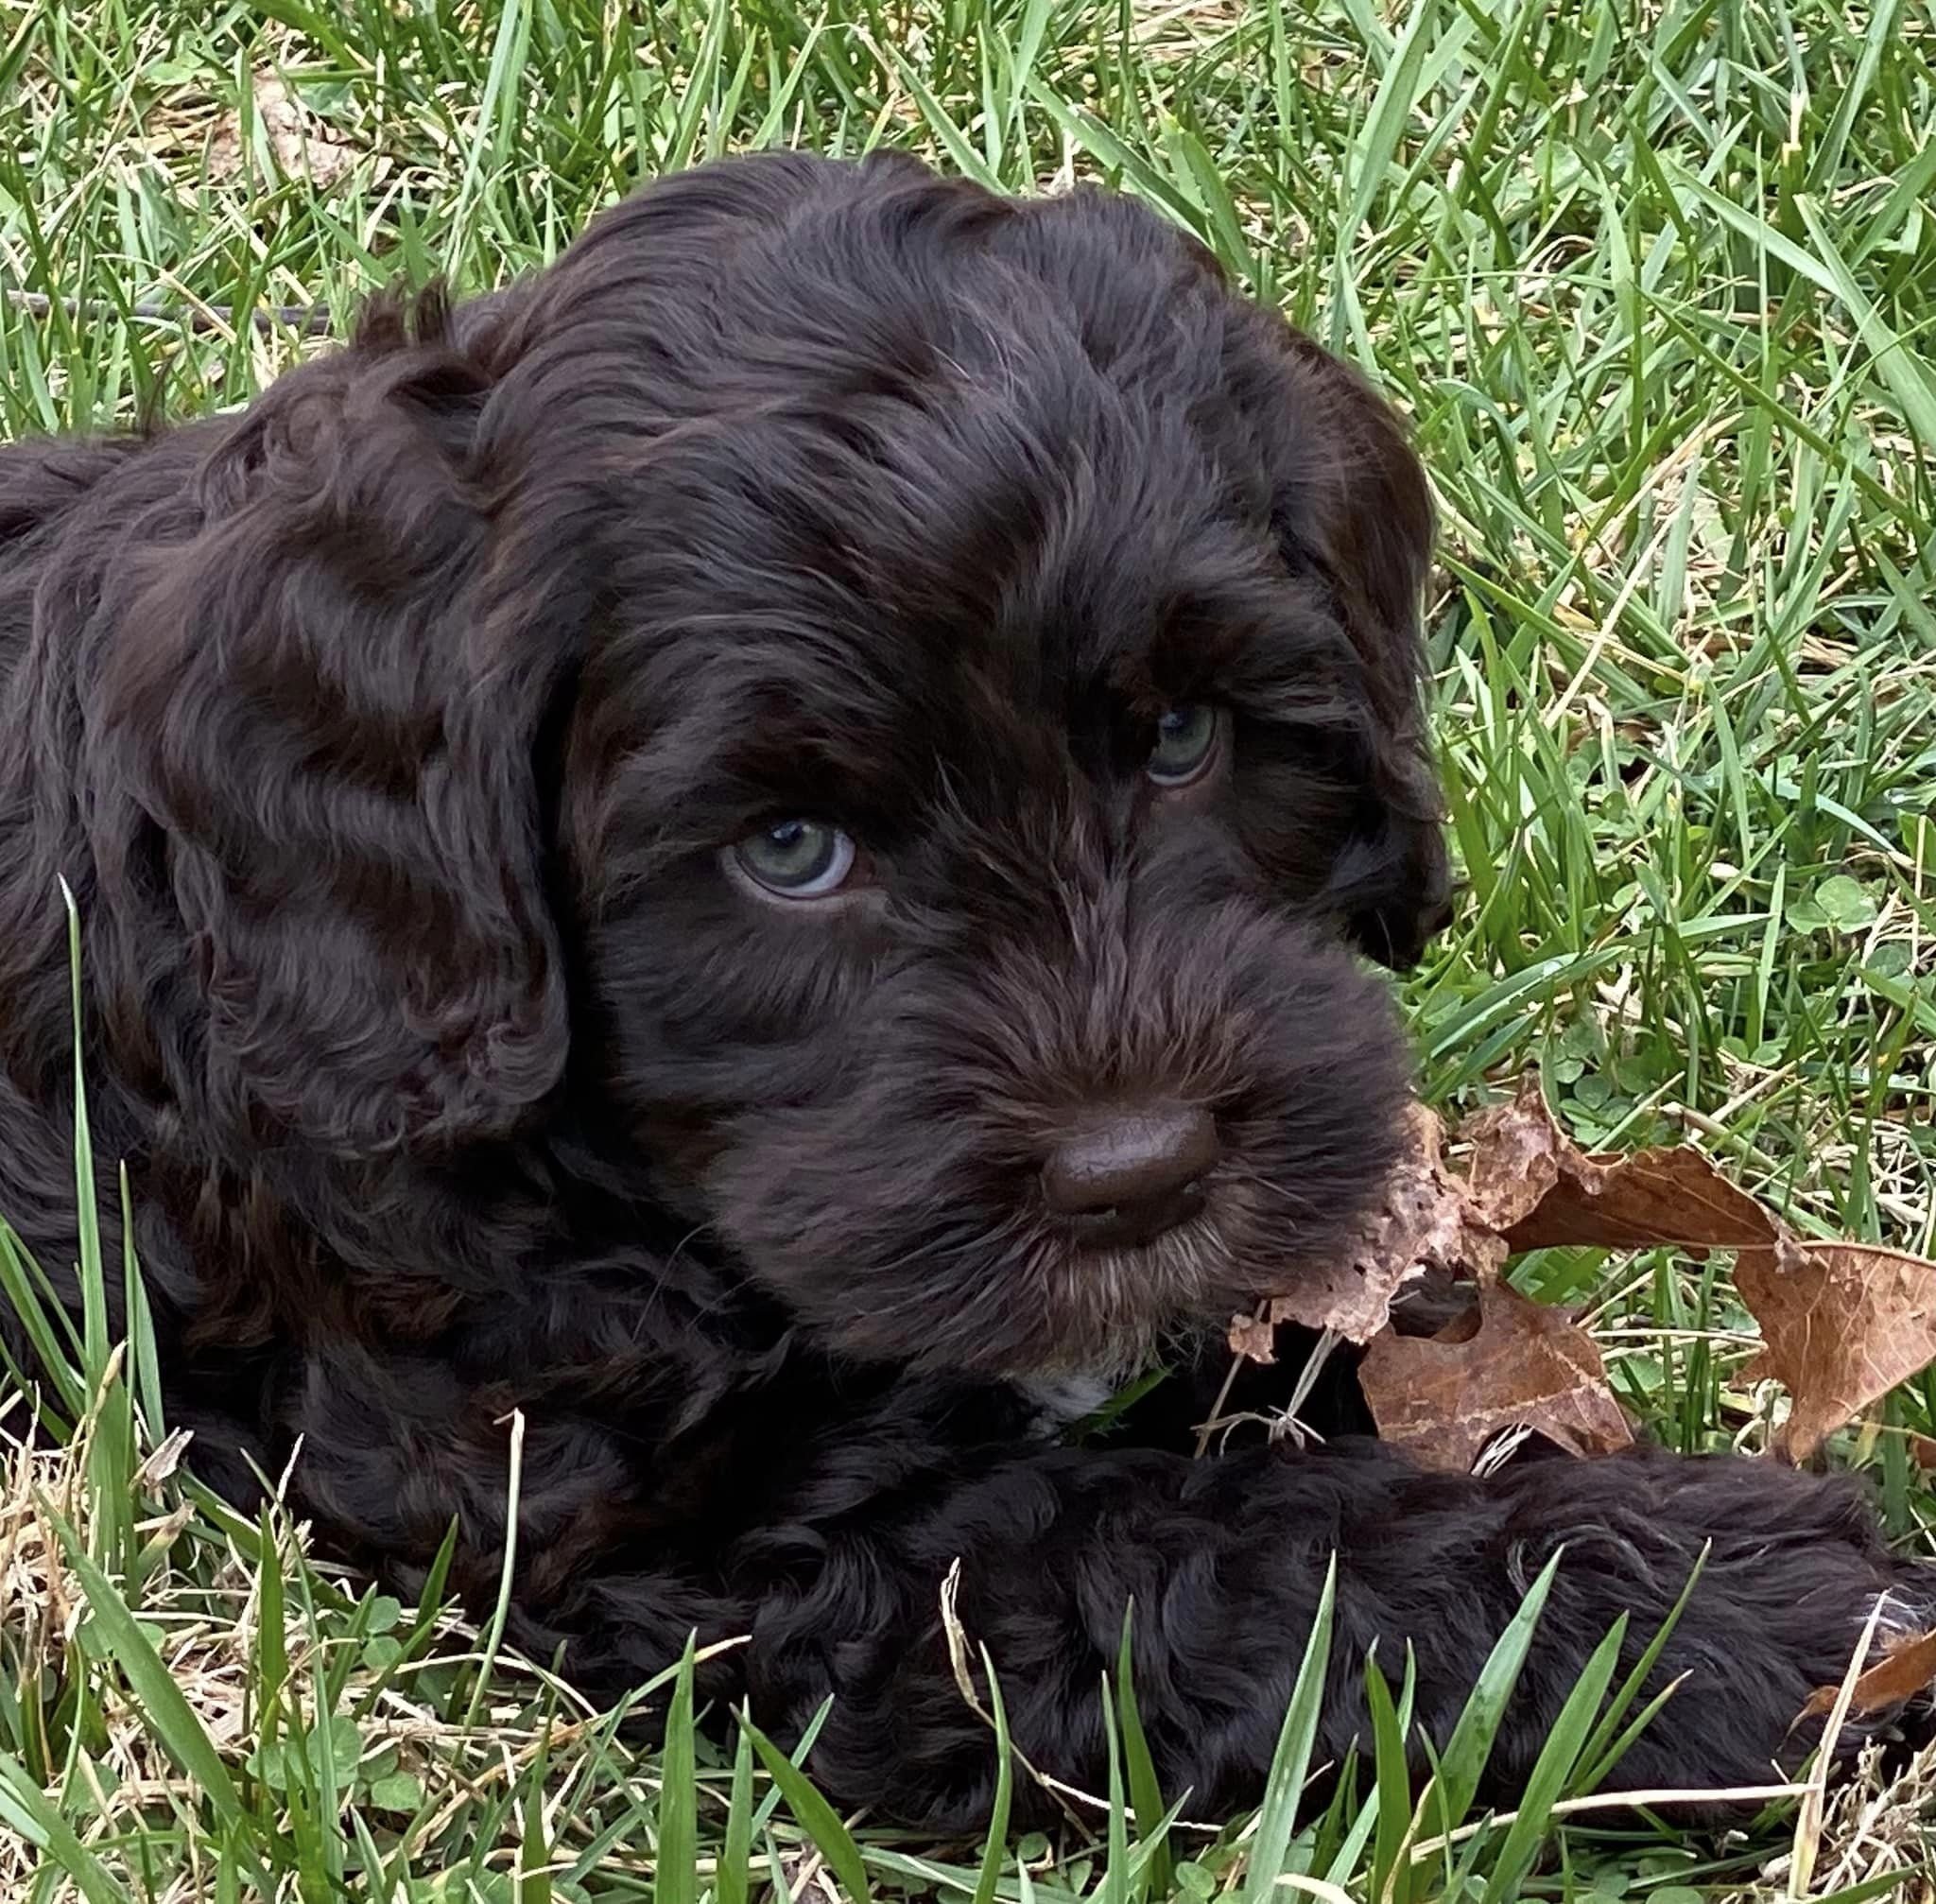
(763,847)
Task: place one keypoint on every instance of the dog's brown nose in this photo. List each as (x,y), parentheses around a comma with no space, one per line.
(1129,1173)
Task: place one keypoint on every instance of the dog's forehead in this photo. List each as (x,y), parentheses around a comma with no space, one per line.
(980,577)
(956,528)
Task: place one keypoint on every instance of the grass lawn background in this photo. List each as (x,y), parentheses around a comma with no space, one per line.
(1655,286)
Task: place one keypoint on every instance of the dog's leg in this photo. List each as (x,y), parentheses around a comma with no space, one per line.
(823,1541)
(1225,1560)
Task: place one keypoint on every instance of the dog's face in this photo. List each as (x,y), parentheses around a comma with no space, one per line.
(976,737)
(967,800)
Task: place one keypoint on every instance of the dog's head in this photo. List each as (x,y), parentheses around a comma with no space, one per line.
(898,706)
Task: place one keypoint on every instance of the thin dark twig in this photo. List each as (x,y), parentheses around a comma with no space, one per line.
(308,320)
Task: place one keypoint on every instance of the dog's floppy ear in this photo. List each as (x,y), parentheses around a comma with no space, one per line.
(333,794)
(1360,515)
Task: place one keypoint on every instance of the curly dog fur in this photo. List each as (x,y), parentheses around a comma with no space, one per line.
(402,737)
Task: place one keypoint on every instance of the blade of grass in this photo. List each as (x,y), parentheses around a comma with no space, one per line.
(1551,1770)
(1608,1742)
(813,1814)
(25,1809)
(736,1854)
(163,1707)
(995,1848)
(1146,1793)
(500,1613)
(1284,1784)
(1463,1763)
(676,1879)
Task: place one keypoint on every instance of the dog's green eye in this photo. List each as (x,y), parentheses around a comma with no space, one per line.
(797,858)
(1186,743)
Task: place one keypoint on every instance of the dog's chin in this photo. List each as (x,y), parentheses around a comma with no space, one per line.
(1113,1312)
(1032,1303)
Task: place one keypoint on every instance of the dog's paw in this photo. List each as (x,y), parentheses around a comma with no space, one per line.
(1898,1683)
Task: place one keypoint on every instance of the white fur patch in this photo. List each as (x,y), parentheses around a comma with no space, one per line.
(1058,1400)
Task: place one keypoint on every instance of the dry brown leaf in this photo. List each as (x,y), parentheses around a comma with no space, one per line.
(1673,1197)
(163,1459)
(1426,1223)
(1906,1668)
(1252,1336)
(1842,1324)
(1525,1365)
(302,147)
(1518,1153)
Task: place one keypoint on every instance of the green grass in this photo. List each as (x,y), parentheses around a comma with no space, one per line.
(1653,285)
